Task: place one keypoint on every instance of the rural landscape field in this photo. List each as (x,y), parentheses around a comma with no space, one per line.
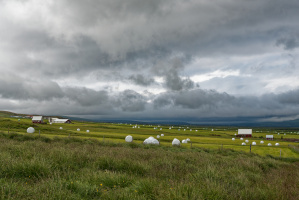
(59,162)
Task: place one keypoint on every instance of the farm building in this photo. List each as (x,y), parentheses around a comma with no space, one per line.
(269,137)
(37,119)
(52,119)
(62,121)
(244,133)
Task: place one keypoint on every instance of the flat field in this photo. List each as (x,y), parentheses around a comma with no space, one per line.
(70,164)
(204,137)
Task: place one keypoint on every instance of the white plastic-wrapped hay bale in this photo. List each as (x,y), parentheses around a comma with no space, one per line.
(160,129)
(196,130)
(19,120)
(241,138)
(51,123)
(176,142)
(276,144)
(60,128)
(30,130)
(151,140)
(246,141)
(158,136)
(233,139)
(269,144)
(190,129)
(243,143)
(278,133)
(87,131)
(262,142)
(162,135)
(169,127)
(78,129)
(184,141)
(188,140)
(179,129)
(254,143)
(184,129)
(129,138)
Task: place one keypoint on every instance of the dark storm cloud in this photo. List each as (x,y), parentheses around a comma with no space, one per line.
(170,72)
(210,103)
(14,87)
(289,43)
(139,79)
(130,101)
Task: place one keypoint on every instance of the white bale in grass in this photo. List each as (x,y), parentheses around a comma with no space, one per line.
(129,138)
(51,123)
(243,143)
(233,139)
(19,120)
(162,135)
(61,128)
(246,141)
(184,129)
(262,142)
(188,140)
(169,128)
(235,133)
(87,131)
(195,130)
(176,142)
(160,129)
(179,129)
(158,136)
(184,141)
(30,130)
(190,129)
(277,133)
(78,129)
(241,138)
(284,134)
(151,140)
(254,143)
(276,144)
(269,144)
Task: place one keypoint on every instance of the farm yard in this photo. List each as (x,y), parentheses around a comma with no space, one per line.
(65,161)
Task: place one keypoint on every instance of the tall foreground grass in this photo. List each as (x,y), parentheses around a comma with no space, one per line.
(42,168)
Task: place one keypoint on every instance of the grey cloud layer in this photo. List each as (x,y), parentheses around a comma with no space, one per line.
(45,43)
(194,103)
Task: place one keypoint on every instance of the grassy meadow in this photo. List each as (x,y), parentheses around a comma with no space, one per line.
(70,164)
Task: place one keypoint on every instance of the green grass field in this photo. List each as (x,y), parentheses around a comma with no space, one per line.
(220,137)
(71,164)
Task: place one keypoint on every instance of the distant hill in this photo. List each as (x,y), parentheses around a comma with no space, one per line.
(236,122)
(9,114)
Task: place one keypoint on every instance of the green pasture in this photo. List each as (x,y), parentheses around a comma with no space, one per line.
(204,137)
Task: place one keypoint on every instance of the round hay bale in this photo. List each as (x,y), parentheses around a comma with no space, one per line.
(30,130)
(176,142)
(129,138)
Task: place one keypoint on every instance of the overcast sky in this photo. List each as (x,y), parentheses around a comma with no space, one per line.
(165,59)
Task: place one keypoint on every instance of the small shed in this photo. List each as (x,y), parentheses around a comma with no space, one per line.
(244,133)
(37,119)
(269,137)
